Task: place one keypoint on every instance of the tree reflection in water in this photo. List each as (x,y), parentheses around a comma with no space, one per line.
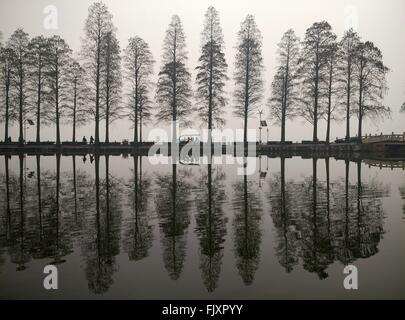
(321,222)
(138,230)
(173,205)
(211,223)
(46,214)
(247,230)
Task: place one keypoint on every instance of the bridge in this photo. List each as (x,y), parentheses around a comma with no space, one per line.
(385,164)
(381,138)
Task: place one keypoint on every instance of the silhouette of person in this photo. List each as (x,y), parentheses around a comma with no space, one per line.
(84,140)
(91,140)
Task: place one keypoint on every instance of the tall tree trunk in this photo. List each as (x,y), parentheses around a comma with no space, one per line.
(328,193)
(107,105)
(74,110)
(360,113)
(140,127)
(360,125)
(21,106)
(136,206)
(7,111)
(285,97)
(174,106)
(38,138)
(107,196)
(39,195)
(210,94)
(97,117)
(107,123)
(57,103)
(97,183)
(347,203)
(348,89)
(315,133)
(74,185)
(57,202)
(22,214)
(136,104)
(246,95)
(329,102)
(9,232)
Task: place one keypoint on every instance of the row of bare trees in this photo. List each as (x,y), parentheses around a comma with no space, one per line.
(323,78)
(317,78)
(40,79)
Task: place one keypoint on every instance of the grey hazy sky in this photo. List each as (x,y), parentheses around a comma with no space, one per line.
(382,22)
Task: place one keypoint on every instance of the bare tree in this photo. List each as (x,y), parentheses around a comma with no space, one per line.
(314,71)
(284,95)
(111,82)
(97,25)
(19,45)
(371,82)
(248,71)
(347,50)
(39,49)
(211,73)
(58,61)
(77,90)
(6,78)
(139,68)
(145,109)
(174,87)
(331,61)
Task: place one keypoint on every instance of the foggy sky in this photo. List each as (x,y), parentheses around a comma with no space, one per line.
(382,22)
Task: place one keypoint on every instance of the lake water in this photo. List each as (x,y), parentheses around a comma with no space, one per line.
(122,227)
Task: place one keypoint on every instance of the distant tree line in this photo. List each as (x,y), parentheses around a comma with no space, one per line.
(318,78)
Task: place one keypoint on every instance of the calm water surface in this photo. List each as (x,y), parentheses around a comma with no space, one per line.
(120,227)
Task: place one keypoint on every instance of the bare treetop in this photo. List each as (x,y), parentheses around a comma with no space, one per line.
(174,44)
(212,28)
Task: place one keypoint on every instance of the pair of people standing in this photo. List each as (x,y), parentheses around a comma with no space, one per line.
(85,140)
